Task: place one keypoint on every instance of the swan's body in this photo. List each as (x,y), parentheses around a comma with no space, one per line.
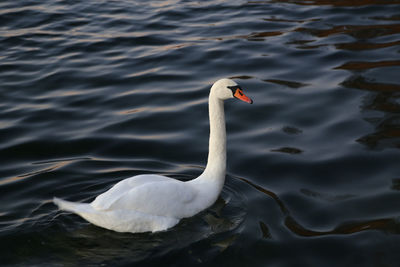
(153,202)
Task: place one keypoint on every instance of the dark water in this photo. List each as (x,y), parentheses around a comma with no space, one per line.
(96,91)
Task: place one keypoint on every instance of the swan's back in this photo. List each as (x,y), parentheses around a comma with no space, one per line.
(160,196)
(104,200)
(139,204)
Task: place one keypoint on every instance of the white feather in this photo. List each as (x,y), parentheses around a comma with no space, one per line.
(153,202)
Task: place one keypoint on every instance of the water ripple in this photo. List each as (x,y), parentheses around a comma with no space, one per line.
(95,92)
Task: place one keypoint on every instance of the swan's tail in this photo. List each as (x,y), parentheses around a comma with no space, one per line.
(74,207)
(118,220)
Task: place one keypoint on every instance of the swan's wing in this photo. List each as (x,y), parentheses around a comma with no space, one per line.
(169,198)
(103,201)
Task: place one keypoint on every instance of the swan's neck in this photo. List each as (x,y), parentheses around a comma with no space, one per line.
(216,163)
(210,183)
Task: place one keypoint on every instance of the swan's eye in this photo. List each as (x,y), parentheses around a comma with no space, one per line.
(234,88)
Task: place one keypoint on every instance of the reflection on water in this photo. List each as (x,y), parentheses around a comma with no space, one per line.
(384,97)
(389,225)
(290,84)
(353,3)
(360,82)
(368,65)
(93,93)
(365,46)
(356,31)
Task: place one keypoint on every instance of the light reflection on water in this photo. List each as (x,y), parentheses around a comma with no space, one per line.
(96,92)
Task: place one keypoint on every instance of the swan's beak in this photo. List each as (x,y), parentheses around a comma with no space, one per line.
(239,95)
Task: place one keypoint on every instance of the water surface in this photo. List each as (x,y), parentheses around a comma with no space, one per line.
(93,92)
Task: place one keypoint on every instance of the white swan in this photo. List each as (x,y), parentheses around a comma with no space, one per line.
(153,202)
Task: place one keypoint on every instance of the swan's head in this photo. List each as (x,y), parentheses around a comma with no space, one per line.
(227,88)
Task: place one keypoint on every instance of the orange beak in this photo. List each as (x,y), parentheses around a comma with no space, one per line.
(239,95)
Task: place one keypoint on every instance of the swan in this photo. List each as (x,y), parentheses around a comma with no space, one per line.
(150,202)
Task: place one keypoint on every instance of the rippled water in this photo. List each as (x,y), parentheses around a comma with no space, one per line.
(96,91)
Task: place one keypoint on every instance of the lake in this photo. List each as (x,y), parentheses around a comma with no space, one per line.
(93,92)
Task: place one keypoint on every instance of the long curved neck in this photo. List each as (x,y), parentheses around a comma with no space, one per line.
(216,163)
